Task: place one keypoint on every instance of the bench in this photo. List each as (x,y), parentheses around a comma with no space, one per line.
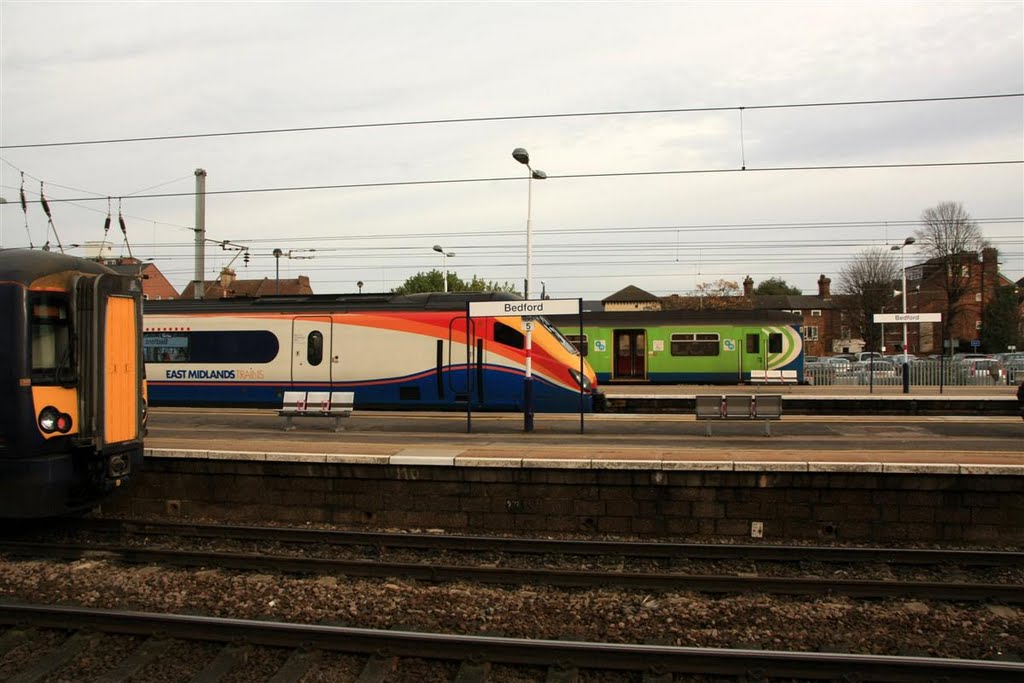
(773,377)
(765,407)
(336,404)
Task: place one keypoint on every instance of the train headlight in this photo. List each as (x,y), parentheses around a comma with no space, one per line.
(582,380)
(48,419)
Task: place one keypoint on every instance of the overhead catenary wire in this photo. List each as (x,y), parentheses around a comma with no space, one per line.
(516,117)
(566,176)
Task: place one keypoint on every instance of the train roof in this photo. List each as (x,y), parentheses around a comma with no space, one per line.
(428,301)
(25,266)
(677,317)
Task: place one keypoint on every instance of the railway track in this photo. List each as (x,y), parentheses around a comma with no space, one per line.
(383,651)
(439,568)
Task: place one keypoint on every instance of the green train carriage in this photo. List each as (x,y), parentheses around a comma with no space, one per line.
(689,347)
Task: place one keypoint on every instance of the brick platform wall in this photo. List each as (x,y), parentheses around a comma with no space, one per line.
(853,507)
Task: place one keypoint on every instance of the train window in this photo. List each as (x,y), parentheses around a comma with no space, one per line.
(753,343)
(503,334)
(165,347)
(315,347)
(775,343)
(695,344)
(579,343)
(52,360)
(241,346)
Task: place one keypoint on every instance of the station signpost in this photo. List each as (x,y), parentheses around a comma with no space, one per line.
(527,309)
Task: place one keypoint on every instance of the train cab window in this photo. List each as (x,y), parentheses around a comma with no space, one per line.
(579,343)
(51,340)
(775,343)
(315,347)
(503,334)
(754,343)
(694,344)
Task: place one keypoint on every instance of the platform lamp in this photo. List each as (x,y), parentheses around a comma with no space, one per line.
(903,268)
(277,270)
(523,157)
(444,262)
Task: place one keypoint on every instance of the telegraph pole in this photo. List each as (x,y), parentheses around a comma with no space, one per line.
(200,230)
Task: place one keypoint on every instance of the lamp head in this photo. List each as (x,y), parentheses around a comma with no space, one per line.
(539,175)
(521,155)
(895,247)
(277,253)
(437,248)
(909,240)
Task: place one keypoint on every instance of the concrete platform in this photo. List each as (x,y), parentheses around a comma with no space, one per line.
(800,443)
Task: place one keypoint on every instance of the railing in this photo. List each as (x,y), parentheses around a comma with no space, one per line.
(922,373)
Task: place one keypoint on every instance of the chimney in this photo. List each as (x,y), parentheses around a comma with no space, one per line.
(824,286)
(227,276)
(748,287)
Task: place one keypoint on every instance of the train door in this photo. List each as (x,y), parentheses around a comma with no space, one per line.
(458,380)
(630,354)
(753,355)
(108,316)
(313,357)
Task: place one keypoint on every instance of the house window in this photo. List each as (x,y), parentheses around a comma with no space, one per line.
(816,313)
(977,324)
(811,332)
(977,296)
(797,311)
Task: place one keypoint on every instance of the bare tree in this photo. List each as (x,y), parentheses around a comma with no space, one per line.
(951,240)
(717,294)
(866,284)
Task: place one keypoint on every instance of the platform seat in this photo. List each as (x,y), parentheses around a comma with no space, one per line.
(333,404)
(767,407)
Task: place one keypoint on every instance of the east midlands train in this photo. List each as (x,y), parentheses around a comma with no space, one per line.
(417,351)
(72,424)
(689,347)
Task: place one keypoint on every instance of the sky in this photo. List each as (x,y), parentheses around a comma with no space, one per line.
(675,136)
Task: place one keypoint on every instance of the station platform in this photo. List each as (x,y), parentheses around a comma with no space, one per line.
(799,443)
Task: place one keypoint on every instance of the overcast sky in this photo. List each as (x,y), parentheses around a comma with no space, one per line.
(88,71)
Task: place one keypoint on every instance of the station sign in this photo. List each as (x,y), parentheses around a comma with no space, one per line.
(527,307)
(907,317)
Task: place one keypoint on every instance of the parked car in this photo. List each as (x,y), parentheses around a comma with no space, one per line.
(875,371)
(864,356)
(810,359)
(982,367)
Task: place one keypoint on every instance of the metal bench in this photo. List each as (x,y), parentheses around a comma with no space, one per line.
(765,407)
(773,377)
(335,404)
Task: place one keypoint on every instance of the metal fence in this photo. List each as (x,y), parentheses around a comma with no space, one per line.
(922,373)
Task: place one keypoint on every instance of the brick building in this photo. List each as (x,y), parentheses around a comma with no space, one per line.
(926,293)
(228,286)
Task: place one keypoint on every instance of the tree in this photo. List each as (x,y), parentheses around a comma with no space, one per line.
(1004,325)
(433,281)
(716,295)
(866,284)
(775,285)
(952,239)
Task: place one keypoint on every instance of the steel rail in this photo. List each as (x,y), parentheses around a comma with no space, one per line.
(589,655)
(701,551)
(859,588)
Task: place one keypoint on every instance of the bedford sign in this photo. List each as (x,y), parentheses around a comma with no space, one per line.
(529,307)
(908,317)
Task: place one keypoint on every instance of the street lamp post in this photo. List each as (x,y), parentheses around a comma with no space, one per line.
(277,270)
(444,262)
(903,268)
(523,157)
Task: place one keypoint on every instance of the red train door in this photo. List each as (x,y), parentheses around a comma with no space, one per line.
(630,354)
